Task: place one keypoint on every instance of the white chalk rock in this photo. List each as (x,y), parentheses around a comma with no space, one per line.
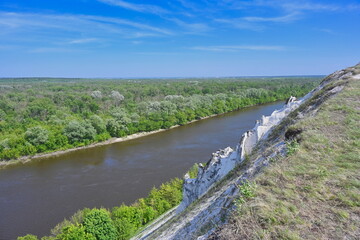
(223,161)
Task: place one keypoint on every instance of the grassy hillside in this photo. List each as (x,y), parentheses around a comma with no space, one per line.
(313,192)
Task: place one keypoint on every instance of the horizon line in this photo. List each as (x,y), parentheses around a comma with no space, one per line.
(190,77)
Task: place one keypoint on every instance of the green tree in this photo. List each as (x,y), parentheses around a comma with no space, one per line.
(2,115)
(28,237)
(37,135)
(78,131)
(98,123)
(41,109)
(98,223)
(113,127)
(73,232)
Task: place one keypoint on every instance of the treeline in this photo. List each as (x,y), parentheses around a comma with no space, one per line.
(121,222)
(42,115)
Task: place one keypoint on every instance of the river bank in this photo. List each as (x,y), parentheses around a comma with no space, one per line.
(26,159)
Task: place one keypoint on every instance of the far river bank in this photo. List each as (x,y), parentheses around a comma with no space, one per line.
(26,159)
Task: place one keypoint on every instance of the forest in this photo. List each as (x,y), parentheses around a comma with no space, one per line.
(41,115)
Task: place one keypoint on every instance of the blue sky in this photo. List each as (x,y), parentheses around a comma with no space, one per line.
(178,38)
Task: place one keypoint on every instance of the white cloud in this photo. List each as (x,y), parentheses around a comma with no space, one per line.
(235,48)
(241,24)
(52,50)
(144,8)
(75,23)
(83,40)
(282,19)
(191,27)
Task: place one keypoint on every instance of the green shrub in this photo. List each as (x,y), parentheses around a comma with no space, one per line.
(193,172)
(292,147)
(28,237)
(247,191)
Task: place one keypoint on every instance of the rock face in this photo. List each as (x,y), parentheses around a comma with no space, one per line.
(223,161)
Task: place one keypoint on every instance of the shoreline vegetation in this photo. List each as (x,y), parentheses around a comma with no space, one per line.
(26,159)
(46,117)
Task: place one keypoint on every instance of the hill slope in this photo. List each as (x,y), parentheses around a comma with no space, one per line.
(310,190)
(314,192)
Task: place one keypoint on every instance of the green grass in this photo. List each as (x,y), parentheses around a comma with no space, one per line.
(313,192)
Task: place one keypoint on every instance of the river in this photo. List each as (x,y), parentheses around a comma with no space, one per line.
(34,197)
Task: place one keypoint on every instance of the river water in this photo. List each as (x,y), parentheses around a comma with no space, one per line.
(34,197)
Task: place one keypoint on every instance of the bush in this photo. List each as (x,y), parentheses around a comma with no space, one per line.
(193,172)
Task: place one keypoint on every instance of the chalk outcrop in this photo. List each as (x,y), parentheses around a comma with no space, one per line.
(223,161)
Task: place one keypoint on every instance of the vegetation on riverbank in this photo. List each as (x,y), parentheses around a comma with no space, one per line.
(119,223)
(313,192)
(47,115)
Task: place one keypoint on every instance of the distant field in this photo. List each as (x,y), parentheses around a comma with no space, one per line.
(48,114)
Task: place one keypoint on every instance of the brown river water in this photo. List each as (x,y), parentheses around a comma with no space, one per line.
(34,197)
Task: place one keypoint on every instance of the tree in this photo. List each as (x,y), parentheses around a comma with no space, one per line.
(28,237)
(98,223)
(115,128)
(118,98)
(96,94)
(98,123)
(2,115)
(78,131)
(37,136)
(120,116)
(41,109)
(73,232)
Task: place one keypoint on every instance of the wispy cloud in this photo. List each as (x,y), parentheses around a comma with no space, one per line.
(235,48)
(326,30)
(292,11)
(53,50)
(312,6)
(290,5)
(282,19)
(144,8)
(191,27)
(83,40)
(241,24)
(87,24)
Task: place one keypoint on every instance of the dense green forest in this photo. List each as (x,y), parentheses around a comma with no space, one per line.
(40,115)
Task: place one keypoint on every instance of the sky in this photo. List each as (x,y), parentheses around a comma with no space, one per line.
(177,38)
